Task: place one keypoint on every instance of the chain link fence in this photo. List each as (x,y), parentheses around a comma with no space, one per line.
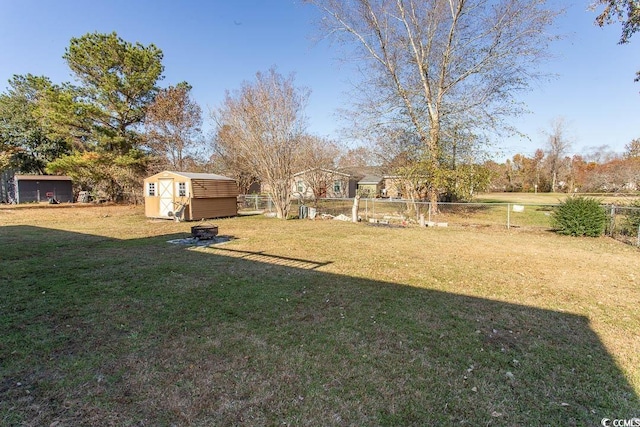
(623,222)
(254,203)
(399,211)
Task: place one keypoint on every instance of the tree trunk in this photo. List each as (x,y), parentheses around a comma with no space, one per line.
(434,147)
(433,200)
(281,197)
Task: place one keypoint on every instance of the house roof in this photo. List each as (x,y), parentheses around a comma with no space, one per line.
(42,178)
(334,172)
(360,172)
(194,175)
(370,179)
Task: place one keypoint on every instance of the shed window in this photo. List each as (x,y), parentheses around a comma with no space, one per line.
(337,187)
(300,186)
(182,189)
(151,189)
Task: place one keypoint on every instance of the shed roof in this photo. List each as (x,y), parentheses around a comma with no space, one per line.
(194,175)
(42,178)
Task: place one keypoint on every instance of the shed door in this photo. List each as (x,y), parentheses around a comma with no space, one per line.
(165,191)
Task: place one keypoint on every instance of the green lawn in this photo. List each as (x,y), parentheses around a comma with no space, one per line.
(550,198)
(311,323)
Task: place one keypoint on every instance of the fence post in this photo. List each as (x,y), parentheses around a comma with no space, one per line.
(508,216)
(612,220)
(354,209)
(638,234)
(429,206)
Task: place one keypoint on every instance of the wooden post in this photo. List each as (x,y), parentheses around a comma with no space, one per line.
(422,223)
(354,209)
(612,220)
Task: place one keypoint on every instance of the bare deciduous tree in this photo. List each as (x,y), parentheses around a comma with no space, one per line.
(317,160)
(632,149)
(262,125)
(558,145)
(230,161)
(173,125)
(432,65)
(359,157)
(318,152)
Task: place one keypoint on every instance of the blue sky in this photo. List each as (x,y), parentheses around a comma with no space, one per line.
(215,45)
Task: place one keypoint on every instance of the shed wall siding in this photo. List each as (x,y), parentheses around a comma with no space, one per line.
(212,208)
(152,207)
(207,189)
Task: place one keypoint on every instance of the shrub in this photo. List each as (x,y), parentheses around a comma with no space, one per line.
(579,216)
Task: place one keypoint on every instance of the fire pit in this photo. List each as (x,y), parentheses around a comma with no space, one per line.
(204,232)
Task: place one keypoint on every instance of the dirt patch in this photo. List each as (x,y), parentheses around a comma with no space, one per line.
(194,241)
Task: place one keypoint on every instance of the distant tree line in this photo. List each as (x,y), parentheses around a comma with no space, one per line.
(549,169)
(601,171)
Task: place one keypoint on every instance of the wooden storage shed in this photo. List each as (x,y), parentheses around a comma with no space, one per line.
(190,196)
(43,188)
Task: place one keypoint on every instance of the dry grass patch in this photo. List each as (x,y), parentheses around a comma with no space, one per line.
(311,323)
(549,198)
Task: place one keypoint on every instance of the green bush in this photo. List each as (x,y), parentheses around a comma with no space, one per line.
(579,216)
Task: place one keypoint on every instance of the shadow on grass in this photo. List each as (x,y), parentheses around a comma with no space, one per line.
(263,257)
(98,331)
